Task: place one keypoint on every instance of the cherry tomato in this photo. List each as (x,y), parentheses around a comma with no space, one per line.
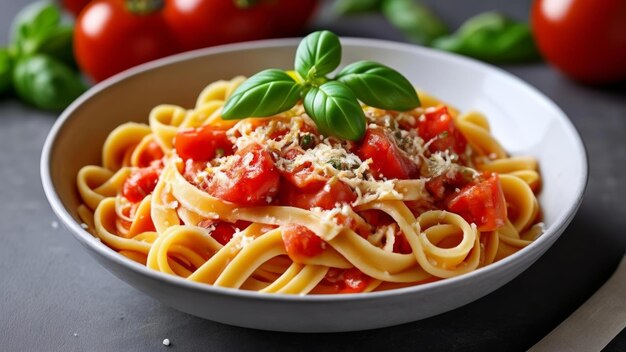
(325,197)
(223,231)
(202,144)
(252,180)
(75,6)
(387,159)
(140,183)
(585,39)
(290,15)
(437,127)
(482,204)
(301,243)
(201,23)
(109,38)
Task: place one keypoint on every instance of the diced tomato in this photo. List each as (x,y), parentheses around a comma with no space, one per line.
(387,158)
(438,126)
(401,244)
(223,231)
(301,243)
(354,281)
(202,143)
(140,183)
(482,203)
(376,217)
(324,197)
(151,153)
(302,176)
(252,180)
(440,187)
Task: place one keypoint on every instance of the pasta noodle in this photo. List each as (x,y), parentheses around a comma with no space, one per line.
(335,222)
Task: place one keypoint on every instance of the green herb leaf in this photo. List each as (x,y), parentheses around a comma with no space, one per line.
(6,70)
(492,37)
(267,93)
(379,86)
(418,23)
(335,110)
(46,82)
(318,54)
(57,43)
(350,7)
(35,20)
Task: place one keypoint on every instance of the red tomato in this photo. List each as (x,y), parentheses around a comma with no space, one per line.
(253,180)
(387,159)
(109,38)
(354,281)
(401,244)
(290,15)
(74,6)
(438,125)
(152,152)
(585,39)
(201,23)
(223,231)
(201,144)
(140,183)
(482,204)
(301,243)
(323,197)
(440,187)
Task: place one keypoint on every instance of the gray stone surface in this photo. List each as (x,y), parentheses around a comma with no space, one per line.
(54,297)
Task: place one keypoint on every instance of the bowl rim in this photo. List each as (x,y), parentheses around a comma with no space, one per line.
(88,240)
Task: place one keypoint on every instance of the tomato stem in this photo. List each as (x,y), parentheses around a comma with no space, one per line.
(244,4)
(143,7)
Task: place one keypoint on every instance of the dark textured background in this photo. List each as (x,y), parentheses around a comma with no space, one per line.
(54,297)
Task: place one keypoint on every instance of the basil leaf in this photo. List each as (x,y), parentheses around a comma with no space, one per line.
(46,82)
(379,86)
(318,54)
(492,37)
(335,110)
(418,23)
(56,42)
(351,7)
(267,93)
(6,70)
(35,20)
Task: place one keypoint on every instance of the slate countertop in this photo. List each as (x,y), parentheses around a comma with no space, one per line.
(54,297)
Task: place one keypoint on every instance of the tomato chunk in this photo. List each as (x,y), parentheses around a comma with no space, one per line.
(252,180)
(151,153)
(325,196)
(482,203)
(140,183)
(301,243)
(223,231)
(437,127)
(202,143)
(302,176)
(388,159)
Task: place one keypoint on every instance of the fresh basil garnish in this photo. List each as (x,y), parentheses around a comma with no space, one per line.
(379,86)
(267,93)
(335,110)
(332,104)
(318,54)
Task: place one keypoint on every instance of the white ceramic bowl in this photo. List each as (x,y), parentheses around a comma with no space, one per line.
(523,119)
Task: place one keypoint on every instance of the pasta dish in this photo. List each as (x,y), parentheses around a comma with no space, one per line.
(273,205)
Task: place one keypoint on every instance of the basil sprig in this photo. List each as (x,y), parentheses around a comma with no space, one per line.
(333,104)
